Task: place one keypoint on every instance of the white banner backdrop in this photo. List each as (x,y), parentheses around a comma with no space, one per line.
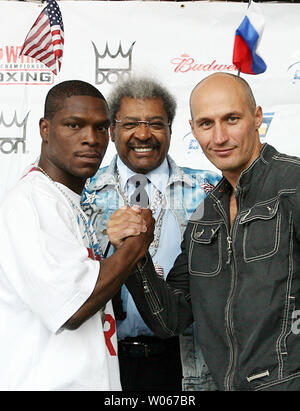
(178,43)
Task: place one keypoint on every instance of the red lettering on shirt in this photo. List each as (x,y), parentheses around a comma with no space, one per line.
(91,255)
(109,333)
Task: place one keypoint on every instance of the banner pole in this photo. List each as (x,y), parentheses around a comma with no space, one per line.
(57,69)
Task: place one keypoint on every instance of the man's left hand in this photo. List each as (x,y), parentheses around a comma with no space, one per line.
(125,222)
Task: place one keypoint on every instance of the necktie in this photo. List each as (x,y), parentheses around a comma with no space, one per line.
(139,196)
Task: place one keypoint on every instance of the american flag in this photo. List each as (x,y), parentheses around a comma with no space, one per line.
(45,40)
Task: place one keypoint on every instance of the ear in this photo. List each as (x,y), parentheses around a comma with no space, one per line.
(44,129)
(192,127)
(258,117)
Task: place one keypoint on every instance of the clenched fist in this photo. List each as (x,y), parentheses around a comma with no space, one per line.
(130,222)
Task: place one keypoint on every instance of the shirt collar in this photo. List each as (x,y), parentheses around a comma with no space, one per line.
(158,177)
(106,175)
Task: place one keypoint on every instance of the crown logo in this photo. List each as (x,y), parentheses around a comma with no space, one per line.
(12,134)
(111,67)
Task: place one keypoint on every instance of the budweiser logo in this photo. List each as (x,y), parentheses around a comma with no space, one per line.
(185,63)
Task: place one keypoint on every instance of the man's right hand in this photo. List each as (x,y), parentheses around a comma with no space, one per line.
(129,222)
(130,230)
(142,242)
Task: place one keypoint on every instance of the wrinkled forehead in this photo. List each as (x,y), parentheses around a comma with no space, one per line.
(141,108)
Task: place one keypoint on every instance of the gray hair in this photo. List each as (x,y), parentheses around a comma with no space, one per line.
(141,88)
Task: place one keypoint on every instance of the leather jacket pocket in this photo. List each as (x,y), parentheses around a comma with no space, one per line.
(205,253)
(261,230)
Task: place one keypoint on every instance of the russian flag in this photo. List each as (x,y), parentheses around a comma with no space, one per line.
(247,38)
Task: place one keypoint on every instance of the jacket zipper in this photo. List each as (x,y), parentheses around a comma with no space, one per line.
(228,316)
(229,324)
(149,293)
(153,301)
(229,249)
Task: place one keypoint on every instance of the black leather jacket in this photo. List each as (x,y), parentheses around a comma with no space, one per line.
(241,283)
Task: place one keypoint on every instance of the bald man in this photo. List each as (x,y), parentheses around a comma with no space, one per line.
(238,274)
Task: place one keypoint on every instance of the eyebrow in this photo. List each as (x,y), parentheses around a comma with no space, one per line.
(105,122)
(138,119)
(224,116)
(78,118)
(233,113)
(202,119)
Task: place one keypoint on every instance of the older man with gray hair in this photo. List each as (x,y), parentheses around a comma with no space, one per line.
(142,172)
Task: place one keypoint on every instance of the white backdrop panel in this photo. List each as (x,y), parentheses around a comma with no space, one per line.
(178,43)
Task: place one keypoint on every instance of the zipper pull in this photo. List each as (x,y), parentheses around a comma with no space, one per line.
(229,250)
(145,286)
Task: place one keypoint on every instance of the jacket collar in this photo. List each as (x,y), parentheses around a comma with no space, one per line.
(177,174)
(107,175)
(251,175)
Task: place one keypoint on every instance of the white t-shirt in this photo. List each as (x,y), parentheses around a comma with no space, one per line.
(45,276)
